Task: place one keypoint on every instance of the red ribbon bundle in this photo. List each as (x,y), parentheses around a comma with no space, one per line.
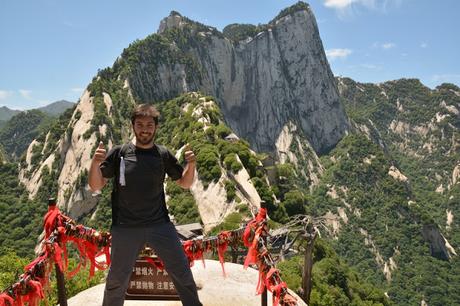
(6,300)
(194,250)
(35,293)
(251,237)
(60,229)
(223,239)
(85,239)
(272,285)
(258,254)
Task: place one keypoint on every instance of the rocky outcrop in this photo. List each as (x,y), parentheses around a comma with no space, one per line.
(396,174)
(456,175)
(387,266)
(212,199)
(73,153)
(281,74)
(291,146)
(439,246)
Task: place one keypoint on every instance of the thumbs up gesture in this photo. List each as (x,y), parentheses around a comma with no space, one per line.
(189,155)
(100,154)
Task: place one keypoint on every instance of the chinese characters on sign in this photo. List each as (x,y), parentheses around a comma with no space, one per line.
(147,282)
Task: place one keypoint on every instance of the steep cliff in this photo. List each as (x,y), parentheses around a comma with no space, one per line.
(274,88)
(276,75)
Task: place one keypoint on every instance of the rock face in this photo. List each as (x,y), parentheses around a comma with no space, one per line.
(275,84)
(74,152)
(276,76)
(439,246)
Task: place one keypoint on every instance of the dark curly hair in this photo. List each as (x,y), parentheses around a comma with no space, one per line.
(145,110)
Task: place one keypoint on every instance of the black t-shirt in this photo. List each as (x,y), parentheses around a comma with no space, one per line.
(141,201)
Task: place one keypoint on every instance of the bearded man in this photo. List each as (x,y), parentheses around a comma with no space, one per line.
(139,213)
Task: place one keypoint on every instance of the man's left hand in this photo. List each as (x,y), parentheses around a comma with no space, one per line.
(189,156)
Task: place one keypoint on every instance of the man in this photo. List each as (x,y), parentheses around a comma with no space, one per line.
(139,213)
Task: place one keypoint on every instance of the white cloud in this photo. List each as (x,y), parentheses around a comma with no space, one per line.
(338,4)
(423,45)
(25,93)
(370,66)
(4,94)
(448,78)
(77,89)
(384,46)
(388,45)
(332,54)
(344,6)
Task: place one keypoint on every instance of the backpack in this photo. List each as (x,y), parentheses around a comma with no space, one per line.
(122,153)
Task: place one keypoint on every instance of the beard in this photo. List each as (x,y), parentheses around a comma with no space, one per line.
(145,138)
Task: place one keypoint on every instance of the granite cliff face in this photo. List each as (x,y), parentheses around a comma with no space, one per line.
(69,160)
(277,74)
(272,83)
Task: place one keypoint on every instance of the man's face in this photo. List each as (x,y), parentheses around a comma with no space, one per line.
(144,129)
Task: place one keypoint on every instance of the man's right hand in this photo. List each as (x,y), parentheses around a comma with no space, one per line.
(100,154)
(95,180)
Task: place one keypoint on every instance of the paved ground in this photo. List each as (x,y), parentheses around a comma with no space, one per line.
(237,289)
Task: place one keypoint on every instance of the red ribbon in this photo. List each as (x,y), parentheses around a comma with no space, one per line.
(35,294)
(276,292)
(194,250)
(251,237)
(6,300)
(155,262)
(253,251)
(51,219)
(289,300)
(223,239)
(261,283)
(57,255)
(189,251)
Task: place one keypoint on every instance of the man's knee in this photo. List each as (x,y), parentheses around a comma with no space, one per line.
(112,284)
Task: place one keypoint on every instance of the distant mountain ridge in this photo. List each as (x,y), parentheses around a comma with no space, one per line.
(21,127)
(17,133)
(53,109)
(6,113)
(56,108)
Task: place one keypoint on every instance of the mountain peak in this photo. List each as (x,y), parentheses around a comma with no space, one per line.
(299,6)
(174,20)
(175,13)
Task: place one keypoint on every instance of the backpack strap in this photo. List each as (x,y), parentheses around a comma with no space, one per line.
(163,153)
(122,154)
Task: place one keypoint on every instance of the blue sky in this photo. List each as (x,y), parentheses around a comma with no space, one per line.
(51,49)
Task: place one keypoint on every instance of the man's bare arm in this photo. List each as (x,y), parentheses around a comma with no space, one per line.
(95,179)
(189,171)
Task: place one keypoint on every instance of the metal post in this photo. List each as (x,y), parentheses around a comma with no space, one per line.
(62,298)
(310,234)
(264,293)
